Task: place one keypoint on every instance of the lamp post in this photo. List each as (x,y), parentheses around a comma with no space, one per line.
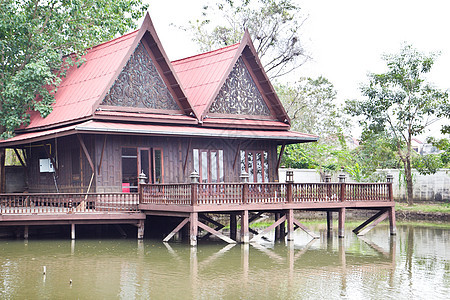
(194,177)
(142,177)
(244,177)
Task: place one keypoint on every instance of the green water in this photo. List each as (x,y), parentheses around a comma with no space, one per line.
(413,265)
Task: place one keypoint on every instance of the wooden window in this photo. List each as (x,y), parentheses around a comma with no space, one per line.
(141,160)
(129,170)
(209,165)
(256,164)
(158,170)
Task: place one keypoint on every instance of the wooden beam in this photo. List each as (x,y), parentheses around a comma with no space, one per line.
(193,228)
(271,227)
(306,229)
(101,156)
(219,226)
(237,154)
(187,155)
(341,219)
(216,233)
(254,217)
(358,229)
(178,228)
(86,153)
(392,225)
(20,158)
(380,218)
(208,219)
(244,227)
(280,156)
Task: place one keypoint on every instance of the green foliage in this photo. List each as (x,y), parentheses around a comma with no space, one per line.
(274,26)
(400,103)
(310,104)
(35,36)
(444,145)
(296,156)
(427,164)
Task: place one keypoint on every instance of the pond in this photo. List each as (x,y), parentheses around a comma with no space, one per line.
(415,264)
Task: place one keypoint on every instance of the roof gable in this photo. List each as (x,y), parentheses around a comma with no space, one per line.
(212,81)
(201,74)
(139,85)
(84,88)
(239,95)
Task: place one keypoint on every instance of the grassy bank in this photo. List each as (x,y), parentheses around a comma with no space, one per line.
(424,208)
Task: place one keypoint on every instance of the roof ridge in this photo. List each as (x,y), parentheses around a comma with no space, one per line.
(113,41)
(204,53)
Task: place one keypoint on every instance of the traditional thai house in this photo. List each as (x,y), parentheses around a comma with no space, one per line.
(128,115)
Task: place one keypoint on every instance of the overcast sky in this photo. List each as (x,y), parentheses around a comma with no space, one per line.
(346,38)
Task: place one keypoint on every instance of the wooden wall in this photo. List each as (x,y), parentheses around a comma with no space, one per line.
(109,177)
(61,151)
(108,169)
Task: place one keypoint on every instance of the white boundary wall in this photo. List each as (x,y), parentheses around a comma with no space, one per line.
(435,187)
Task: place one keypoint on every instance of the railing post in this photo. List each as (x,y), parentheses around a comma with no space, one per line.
(244,178)
(342,183)
(289,183)
(141,193)
(194,187)
(390,180)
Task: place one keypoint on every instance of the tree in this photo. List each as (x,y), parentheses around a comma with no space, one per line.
(401,103)
(40,40)
(274,26)
(310,104)
(35,36)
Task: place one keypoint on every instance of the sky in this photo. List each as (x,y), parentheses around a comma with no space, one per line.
(345,38)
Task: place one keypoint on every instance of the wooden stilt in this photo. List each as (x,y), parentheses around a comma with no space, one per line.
(25,232)
(268,229)
(193,228)
(277,229)
(72,231)
(373,221)
(283,228)
(219,226)
(178,228)
(341,223)
(306,229)
(392,225)
(141,228)
(245,235)
(329,221)
(290,224)
(216,233)
(233,226)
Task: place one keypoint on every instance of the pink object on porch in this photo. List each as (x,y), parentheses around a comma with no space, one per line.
(125,187)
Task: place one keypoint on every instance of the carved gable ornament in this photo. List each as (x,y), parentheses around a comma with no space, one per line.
(239,95)
(140,85)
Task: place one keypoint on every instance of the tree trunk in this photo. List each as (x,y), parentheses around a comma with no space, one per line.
(409,182)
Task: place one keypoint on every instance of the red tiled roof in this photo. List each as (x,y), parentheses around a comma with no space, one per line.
(201,74)
(82,87)
(161,130)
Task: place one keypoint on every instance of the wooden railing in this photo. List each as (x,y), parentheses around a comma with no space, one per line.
(194,194)
(256,193)
(67,203)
